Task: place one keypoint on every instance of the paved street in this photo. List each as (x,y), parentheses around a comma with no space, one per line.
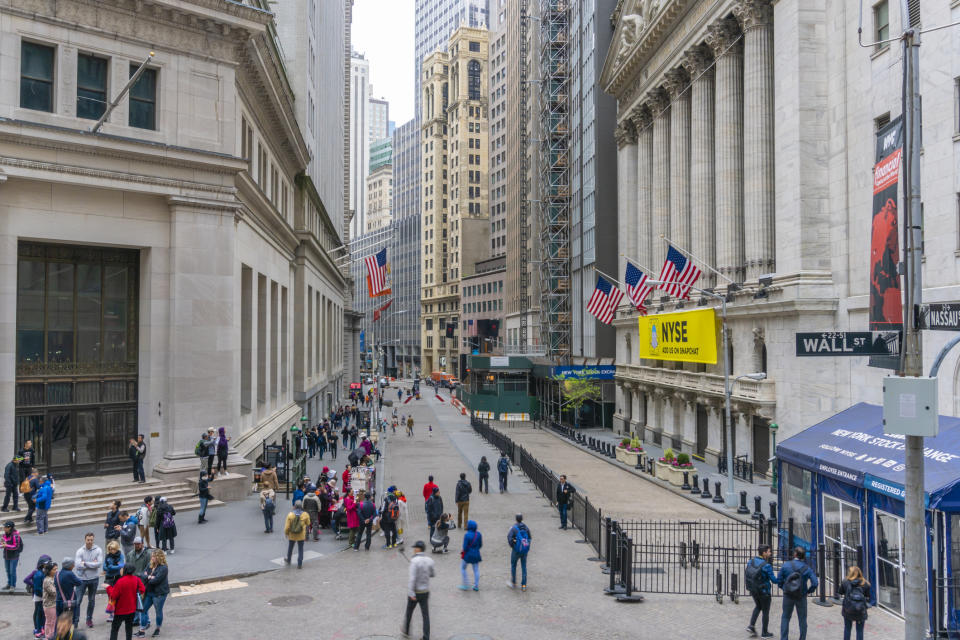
(347,595)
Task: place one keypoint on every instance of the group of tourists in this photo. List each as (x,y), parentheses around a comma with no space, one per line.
(21,478)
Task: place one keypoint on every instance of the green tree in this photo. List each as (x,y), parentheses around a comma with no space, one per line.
(576,392)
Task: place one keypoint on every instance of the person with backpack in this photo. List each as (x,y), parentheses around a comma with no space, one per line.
(12,547)
(295,528)
(44,502)
(366,514)
(389,516)
(128,531)
(223,452)
(503,468)
(470,555)
(168,526)
(757,577)
(29,488)
(461,495)
(143,519)
(11,484)
(856,600)
(206,449)
(796,580)
(519,539)
(484,470)
(34,584)
(268,505)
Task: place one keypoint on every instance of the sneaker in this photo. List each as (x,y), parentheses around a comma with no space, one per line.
(512,585)
(89,624)
(145,627)
(463,587)
(171,552)
(141,634)
(766,634)
(156,632)
(476,588)
(286,561)
(523,587)
(751,630)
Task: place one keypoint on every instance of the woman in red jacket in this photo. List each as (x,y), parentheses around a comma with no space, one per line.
(124,592)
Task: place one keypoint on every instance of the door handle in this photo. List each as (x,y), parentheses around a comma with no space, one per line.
(73,455)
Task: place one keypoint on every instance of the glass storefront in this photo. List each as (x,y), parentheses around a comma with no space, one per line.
(76,392)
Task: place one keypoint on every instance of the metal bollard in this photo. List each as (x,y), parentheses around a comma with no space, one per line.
(836,573)
(743,509)
(821,562)
(627,575)
(695,484)
(717,497)
(650,466)
(686,481)
(773,510)
(757,513)
(605,567)
(705,494)
(639,465)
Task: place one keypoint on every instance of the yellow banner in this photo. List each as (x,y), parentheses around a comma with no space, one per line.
(687,336)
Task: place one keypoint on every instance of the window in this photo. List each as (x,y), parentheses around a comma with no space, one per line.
(796,502)
(474,46)
(841,529)
(473,80)
(36,76)
(143,99)
(881,21)
(91,86)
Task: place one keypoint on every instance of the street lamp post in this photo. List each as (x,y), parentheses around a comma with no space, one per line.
(378,352)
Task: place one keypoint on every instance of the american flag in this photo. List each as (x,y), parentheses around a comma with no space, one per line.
(377,272)
(637,287)
(678,274)
(603,303)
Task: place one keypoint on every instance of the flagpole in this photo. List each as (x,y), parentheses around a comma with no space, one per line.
(693,257)
(607,275)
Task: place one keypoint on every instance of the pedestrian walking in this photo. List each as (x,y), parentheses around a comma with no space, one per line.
(470,555)
(461,495)
(124,592)
(410,426)
(29,488)
(268,478)
(295,528)
(519,539)
(353,518)
(87,564)
(757,578)
(203,493)
(418,589)
(137,452)
(434,509)
(168,525)
(428,488)
(796,579)
(503,468)
(12,548)
(311,504)
(143,519)
(11,484)
(565,493)
(268,505)
(44,502)
(128,532)
(856,600)
(210,442)
(157,589)
(111,523)
(35,582)
(223,450)
(389,515)
(332,443)
(49,599)
(484,470)
(366,514)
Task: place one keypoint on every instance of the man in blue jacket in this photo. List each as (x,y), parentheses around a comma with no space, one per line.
(796,579)
(44,500)
(760,590)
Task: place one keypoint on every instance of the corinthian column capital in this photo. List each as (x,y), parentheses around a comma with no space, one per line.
(641,118)
(697,60)
(675,82)
(625,133)
(754,13)
(722,35)
(657,101)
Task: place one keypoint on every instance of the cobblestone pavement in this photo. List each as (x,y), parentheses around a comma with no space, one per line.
(348,595)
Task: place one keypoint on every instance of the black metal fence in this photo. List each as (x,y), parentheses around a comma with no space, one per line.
(946,606)
(742,467)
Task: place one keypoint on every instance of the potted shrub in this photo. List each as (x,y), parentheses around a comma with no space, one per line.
(629,451)
(680,464)
(664,465)
(622,448)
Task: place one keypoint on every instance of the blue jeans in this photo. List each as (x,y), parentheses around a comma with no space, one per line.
(563,514)
(41,520)
(138,470)
(514,556)
(157,602)
(848,623)
(476,573)
(267,521)
(203,508)
(789,604)
(87,588)
(299,544)
(10,564)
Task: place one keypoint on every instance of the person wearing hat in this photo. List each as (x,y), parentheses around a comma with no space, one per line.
(418,589)
(12,546)
(139,557)
(11,480)
(68,586)
(295,528)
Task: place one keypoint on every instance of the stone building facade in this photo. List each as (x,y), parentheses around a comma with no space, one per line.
(746,135)
(170,272)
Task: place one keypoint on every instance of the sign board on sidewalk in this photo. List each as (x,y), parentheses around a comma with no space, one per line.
(848,343)
(940,316)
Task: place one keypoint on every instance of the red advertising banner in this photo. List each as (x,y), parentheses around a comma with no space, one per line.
(886,304)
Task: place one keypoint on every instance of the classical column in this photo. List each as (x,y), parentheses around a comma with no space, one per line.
(677,84)
(643,123)
(728,51)
(756,19)
(699,64)
(659,105)
(626,136)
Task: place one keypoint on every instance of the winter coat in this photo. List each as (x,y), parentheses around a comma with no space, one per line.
(203,489)
(49,592)
(156,580)
(434,508)
(848,585)
(428,490)
(111,521)
(269,480)
(113,565)
(45,495)
(311,504)
(350,507)
(128,531)
(124,593)
(171,532)
(11,475)
(304,521)
(472,542)
(484,469)
(367,511)
(462,492)
(140,561)
(66,584)
(512,534)
(11,544)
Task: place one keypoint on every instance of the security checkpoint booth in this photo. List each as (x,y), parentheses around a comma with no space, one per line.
(841,484)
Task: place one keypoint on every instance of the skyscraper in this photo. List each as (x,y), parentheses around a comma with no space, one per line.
(379,127)
(359,140)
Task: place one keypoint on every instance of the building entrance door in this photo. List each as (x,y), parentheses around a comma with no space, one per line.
(701,430)
(72,441)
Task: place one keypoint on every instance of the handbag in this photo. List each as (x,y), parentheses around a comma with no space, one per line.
(463,553)
(67,604)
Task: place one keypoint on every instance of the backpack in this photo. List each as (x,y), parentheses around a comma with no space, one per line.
(855,604)
(296,527)
(393,512)
(25,486)
(751,576)
(19,542)
(200,450)
(28,582)
(793,585)
(167,521)
(521,544)
(503,466)
(269,507)
(154,514)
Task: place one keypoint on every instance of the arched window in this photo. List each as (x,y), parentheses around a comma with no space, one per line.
(473,80)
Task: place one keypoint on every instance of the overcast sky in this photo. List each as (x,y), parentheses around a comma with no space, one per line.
(383,32)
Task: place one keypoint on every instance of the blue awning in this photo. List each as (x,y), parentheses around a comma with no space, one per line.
(852,447)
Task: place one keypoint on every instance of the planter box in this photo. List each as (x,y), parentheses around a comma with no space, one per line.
(676,475)
(620,455)
(663,471)
(628,457)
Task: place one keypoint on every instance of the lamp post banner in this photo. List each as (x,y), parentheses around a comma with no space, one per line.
(886,306)
(687,336)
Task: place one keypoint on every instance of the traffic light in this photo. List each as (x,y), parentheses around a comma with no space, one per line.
(450,329)
(494,329)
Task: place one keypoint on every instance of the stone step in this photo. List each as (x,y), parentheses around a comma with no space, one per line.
(102,504)
(95,518)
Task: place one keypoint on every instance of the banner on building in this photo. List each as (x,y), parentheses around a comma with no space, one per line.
(886,306)
(585,372)
(687,336)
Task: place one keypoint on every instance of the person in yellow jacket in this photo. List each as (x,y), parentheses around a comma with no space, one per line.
(295,528)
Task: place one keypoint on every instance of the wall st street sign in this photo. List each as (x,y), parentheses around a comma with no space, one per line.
(848,343)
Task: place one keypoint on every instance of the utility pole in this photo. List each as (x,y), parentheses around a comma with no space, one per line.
(915,535)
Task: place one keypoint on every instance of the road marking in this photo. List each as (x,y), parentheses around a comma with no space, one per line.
(307,555)
(208,587)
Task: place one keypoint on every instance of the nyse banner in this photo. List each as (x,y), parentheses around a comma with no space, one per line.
(886,312)
(688,336)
